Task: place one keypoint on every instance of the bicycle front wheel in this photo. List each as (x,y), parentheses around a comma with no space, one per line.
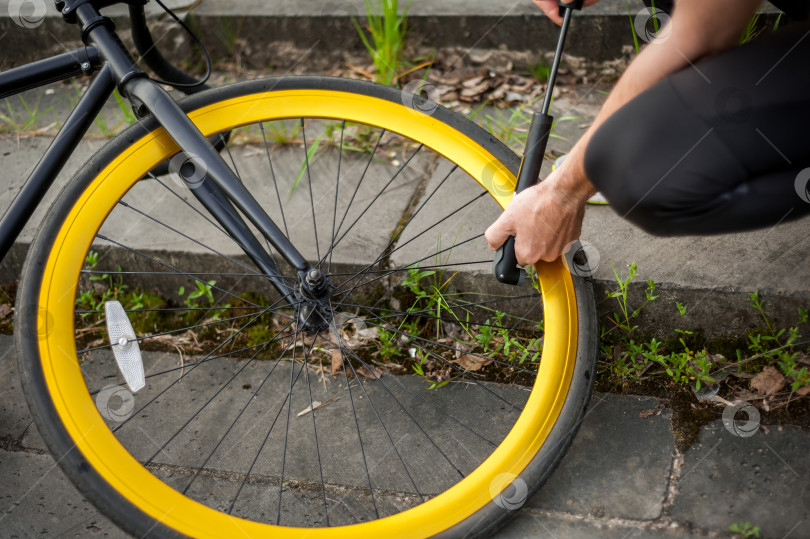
(428,398)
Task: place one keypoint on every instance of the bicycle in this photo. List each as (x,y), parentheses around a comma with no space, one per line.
(301,323)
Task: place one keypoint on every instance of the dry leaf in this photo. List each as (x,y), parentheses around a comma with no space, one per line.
(309,408)
(5,310)
(475,91)
(337,361)
(469,83)
(803,391)
(366,333)
(768,382)
(370,373)
(469,362)
(647,413)
(745,395)
(316,404)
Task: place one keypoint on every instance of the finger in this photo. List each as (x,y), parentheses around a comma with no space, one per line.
(551,9)
(498,232)
(524,253)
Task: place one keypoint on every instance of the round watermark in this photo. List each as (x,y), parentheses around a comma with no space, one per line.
(494,178)
(43,324)
(188,170)
(581,258)
(649,26)
(802,184)
(508,491)
(27,13)
(733,105)
(115,403)
(420,96)
(738,427)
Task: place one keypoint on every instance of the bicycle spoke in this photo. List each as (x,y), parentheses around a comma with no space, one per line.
(206,403)
(448,363)
(377,196)
(179,272)
(266,437)
(317,446)
(187,203)
(183,375)
(196,242)
(231,353)
(337,189)
(411,264)
(170,332)
(357,426)
(250,400)
(275,183)
(356,188)
(309,183)
(404,409)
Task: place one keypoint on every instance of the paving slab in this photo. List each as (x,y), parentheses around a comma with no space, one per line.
(14,416)
(762,479)
(610,484)
(38,500)
(607,475)
(530,524)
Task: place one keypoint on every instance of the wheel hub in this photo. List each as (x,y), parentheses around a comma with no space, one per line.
(313,312)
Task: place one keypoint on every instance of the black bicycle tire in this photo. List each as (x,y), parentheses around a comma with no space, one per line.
(105,497)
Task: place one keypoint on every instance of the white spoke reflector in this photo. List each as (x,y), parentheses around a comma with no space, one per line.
(124,345)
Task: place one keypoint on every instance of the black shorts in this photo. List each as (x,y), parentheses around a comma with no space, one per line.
(721,146)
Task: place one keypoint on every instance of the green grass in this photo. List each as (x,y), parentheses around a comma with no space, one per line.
(684,358)
(511,126)
(19,121)
(541,70)
(384,38)
(744,529)
(755,27)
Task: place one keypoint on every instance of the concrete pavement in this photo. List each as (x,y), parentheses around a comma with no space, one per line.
(621,478)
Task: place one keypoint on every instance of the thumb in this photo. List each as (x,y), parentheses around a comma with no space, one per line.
(499,231)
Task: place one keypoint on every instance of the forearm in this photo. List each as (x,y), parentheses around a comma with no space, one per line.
(686,41)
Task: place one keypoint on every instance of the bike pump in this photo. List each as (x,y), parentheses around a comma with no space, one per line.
(505,266)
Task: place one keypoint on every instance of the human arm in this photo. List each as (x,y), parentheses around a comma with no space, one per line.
(548,216)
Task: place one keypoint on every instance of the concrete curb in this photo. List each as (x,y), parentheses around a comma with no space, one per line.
(288,33)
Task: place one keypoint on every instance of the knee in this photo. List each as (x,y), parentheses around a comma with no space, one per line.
(617,162)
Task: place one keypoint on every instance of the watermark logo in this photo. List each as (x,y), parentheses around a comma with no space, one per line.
(42,326)
(508,491)
(27,13)
(188,170)
(733,105)
(738,427)
(649,26)
(802,184)
(421,96)
(581,258)
(115,403)
(494,177)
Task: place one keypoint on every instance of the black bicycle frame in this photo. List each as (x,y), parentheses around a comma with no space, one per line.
(104,53)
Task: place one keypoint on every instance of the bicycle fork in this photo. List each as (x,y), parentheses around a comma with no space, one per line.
(203,170)
(505,266)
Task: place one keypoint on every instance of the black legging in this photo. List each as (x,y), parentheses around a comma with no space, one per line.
(714,148)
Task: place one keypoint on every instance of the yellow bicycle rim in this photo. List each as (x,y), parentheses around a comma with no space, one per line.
(126,475)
